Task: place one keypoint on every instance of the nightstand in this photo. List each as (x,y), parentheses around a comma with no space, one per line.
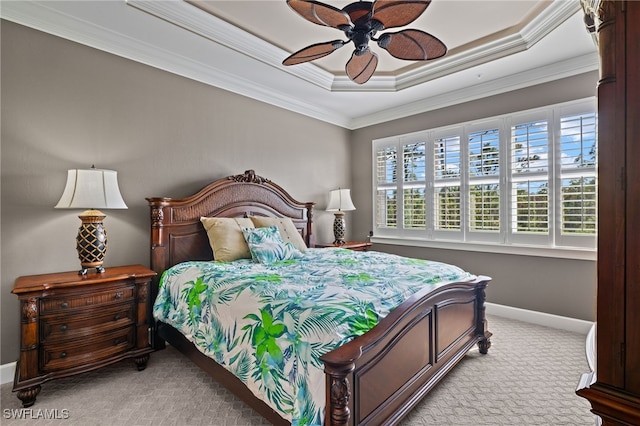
(73,323)
(351,245)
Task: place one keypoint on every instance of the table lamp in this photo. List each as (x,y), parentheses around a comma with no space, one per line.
(91,189)
(339,202)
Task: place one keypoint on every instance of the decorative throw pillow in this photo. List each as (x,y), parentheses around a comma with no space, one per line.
(266,245)
(286,227)
(226,238)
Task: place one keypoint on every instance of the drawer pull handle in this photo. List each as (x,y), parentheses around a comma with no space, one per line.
(116,341)
(63,327)
(118,295)
(117,317)
(64,304)
(63,354)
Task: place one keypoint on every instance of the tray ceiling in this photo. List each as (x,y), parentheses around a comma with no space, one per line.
(494,46)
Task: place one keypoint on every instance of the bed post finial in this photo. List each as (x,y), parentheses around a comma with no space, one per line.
(248,176)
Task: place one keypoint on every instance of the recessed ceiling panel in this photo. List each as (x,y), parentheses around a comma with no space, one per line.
(460,24)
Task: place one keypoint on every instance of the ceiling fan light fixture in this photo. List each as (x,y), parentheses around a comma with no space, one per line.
(360,21)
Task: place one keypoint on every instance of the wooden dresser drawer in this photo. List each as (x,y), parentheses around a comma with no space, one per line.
(60,327)
(73,301)
(71,354)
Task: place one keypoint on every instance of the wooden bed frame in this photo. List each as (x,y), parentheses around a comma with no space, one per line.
(375,379)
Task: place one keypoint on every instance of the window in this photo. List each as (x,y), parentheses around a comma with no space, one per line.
(414,185)
(527,178)
(386,184)
(447,200)
(484,182)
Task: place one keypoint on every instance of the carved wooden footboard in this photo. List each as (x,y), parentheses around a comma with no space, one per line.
(376,378)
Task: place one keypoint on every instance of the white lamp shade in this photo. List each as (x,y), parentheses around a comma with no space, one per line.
(91,189)
(340,200)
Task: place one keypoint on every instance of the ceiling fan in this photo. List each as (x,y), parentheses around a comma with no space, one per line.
(360,22)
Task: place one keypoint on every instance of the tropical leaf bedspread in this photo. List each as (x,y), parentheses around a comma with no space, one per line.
(268,324)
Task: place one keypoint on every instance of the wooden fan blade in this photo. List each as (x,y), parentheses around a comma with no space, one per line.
(397,13)
(414,45)
(359,12)
(321,14)
(360,68)
(315,51)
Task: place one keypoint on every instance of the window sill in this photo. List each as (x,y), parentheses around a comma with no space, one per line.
(519,250)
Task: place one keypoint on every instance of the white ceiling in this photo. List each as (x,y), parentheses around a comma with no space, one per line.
(494,46)
(462,23)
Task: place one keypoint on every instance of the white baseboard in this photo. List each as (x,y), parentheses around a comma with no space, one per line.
(6,372)
(540,318)
(534,317)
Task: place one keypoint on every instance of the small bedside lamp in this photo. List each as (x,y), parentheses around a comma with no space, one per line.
(91,189)
(339,202)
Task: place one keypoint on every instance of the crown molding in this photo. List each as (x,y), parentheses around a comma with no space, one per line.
(556,71)
(131,30)
(196,20)
(44,16)
(550,18)
(219,31)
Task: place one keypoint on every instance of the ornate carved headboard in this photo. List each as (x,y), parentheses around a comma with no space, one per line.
(177,234)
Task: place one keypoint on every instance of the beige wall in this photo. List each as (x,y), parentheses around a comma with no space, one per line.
(555,286)
(65,106)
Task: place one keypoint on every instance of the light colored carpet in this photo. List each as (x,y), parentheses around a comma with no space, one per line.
(528,377)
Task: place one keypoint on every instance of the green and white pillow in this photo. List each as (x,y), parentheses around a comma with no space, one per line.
(266,245)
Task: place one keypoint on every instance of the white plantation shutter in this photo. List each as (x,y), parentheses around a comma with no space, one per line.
(526,178)
(386,159)
(447,194)
(484,184)
(529,205)
(579,205)
(578,184)
(484,210)
(484,151)
(414,201)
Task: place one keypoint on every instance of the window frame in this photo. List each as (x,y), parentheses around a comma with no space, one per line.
(440,234)
(505,239)
(565,110)
(496,237)
(514,237)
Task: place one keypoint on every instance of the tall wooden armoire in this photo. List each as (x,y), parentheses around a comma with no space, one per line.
(614,388)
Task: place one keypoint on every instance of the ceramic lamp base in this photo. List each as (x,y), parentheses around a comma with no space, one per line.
(339,228)
(91,242)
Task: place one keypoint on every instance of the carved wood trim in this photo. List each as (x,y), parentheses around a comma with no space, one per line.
(249,176)
(29,310)
(339,392)
(482,326)
(157,216)
(143,292)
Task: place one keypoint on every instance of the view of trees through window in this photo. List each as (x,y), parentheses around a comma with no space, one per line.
(513,179)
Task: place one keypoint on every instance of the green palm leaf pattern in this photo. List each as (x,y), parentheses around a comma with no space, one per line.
(268,323)
(191,294)
(241,365)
